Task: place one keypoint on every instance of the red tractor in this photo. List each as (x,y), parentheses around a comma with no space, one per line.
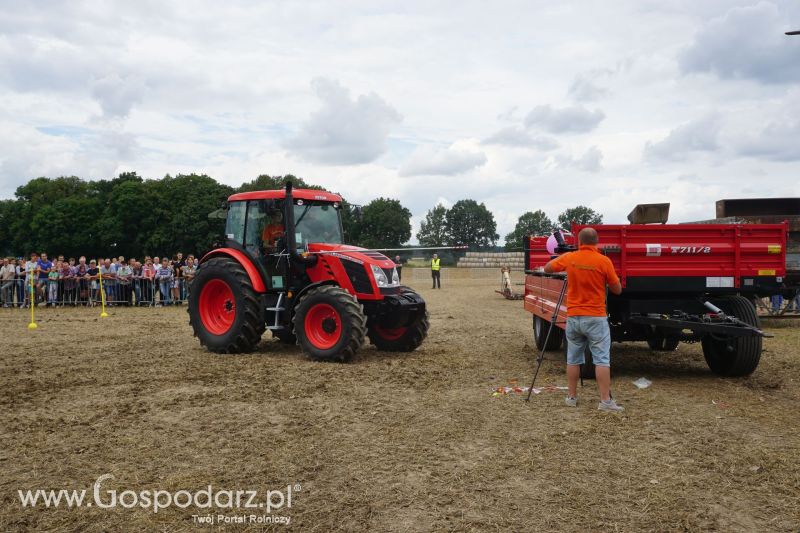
(284,268)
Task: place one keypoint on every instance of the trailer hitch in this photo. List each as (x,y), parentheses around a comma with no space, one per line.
(720,313)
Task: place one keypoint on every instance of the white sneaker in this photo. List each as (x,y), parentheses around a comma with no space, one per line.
(571,402)
(609,405)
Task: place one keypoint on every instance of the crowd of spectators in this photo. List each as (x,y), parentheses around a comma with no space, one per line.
(41,281)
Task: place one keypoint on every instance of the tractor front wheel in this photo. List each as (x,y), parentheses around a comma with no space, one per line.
(223,307)
(330,324)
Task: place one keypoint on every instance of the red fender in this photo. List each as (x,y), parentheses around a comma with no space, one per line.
(252,271)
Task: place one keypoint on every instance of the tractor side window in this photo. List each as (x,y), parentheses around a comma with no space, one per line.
(234,227)
(256,221)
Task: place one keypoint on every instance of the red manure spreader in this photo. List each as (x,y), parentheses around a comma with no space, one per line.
(681,283)
(284,268)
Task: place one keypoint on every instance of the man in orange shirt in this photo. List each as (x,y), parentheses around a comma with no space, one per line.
(588,274)
(272,232)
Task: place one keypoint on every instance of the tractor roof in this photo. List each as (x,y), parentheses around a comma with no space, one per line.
(276,194)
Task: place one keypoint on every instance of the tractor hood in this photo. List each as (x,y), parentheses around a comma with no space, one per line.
(352,253)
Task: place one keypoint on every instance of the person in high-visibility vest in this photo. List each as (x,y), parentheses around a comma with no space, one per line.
(435,272)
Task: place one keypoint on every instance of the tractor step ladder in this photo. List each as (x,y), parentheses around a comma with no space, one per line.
(277,310)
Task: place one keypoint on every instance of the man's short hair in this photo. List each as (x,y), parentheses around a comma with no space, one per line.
(587,236)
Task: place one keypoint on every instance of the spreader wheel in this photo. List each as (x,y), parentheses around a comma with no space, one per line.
(223,307)
(330,324)
(540,327)
(402,339)
(734,356)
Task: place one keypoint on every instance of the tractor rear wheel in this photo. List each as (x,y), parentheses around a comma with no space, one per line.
(402,339)
(734,356)
(330,324)
(540,327)
(224,311)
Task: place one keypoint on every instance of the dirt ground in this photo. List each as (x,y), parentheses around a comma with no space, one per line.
(390,442)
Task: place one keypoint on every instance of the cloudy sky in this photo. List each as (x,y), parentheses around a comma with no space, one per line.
(522,105)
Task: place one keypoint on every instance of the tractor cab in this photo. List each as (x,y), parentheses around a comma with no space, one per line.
(284,267)
(261,222)
(257,223)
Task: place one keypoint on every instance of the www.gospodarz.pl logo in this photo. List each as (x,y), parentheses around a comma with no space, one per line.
(155,500)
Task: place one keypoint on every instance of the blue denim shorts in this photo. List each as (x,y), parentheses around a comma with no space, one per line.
(591,331)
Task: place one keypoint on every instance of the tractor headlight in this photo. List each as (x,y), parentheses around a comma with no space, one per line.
(380,276)
(395,277)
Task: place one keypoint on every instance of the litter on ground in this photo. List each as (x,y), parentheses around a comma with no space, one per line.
(500,391)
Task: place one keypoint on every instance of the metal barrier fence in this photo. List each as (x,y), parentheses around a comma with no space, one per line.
(85,291)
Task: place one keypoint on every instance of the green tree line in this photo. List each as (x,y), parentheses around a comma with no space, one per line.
(471,223)
(132,216)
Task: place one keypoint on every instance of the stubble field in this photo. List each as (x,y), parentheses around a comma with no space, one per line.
(392,442)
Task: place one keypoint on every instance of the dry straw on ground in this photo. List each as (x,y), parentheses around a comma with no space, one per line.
(394,442)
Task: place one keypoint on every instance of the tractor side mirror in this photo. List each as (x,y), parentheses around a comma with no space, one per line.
(224,205)
(357,212)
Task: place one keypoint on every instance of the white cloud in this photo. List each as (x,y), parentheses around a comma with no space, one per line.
(695,136)
(31,153)
(777,141)
(117,95)
(427,160)
(746,42)
(516,136)
(344,131)
(584,87)
(574,119)
(590,161)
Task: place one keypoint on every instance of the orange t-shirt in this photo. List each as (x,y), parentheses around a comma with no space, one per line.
(271,234)
(588,273)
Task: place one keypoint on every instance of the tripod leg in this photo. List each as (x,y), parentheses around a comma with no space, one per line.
(547,338)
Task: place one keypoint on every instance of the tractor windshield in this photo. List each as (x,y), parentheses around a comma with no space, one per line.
(317,223)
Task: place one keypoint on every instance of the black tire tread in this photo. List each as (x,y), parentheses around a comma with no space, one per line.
(353,310)
(409,342)
(253,326)
(748,349)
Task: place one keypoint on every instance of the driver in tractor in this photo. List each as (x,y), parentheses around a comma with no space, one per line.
(273,231)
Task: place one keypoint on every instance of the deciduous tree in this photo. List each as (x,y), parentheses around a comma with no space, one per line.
(530,223)
(385,224)
(433,230)
(580,215)
(471,223)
